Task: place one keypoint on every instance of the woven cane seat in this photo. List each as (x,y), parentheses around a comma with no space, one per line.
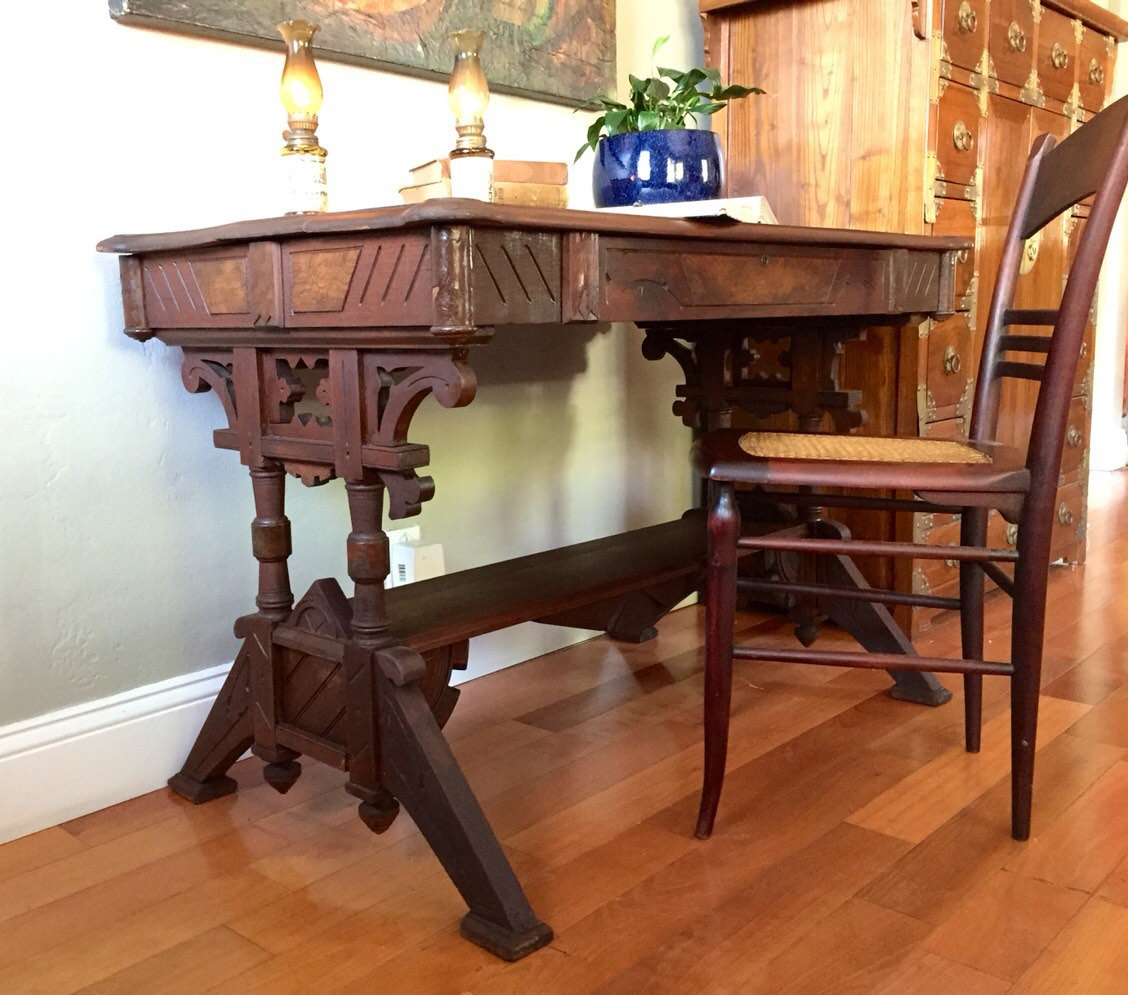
(858,449)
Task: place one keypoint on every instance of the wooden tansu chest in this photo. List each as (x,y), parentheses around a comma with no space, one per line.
(916,116)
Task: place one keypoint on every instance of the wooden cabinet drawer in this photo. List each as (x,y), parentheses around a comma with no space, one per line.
(1011,40)
(1057,55)
(949,366)
(1094,69)
(949,428)
(1076,437)
(1069,522)
(963,25)
(957,134)
(957,217)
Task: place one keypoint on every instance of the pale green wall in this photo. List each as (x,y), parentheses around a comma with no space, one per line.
(124,545)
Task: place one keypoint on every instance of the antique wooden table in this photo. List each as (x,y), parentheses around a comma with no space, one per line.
(322,334)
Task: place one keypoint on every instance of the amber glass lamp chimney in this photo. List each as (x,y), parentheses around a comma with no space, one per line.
(301,93)
(471,161)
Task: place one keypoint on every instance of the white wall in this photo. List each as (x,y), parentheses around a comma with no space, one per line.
(1108,447)
(124,539)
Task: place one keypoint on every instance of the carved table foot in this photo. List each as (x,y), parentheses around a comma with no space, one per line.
(419,769)
(226,735)
(873,626)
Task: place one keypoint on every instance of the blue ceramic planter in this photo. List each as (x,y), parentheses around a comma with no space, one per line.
(657,167)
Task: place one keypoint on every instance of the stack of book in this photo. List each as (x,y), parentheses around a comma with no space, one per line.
(531,184)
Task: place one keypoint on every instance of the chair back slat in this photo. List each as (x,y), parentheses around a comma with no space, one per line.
(1076,168)
(1093,160)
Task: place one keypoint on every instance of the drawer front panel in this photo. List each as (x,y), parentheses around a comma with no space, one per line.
(957,217)
(964,28)
(957,134)
(1011,41)
(1069,522)
(948,372)
(1057,55)
(664,280)
(1076,438)
(1094,69)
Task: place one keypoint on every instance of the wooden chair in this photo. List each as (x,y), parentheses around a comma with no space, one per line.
(945,476)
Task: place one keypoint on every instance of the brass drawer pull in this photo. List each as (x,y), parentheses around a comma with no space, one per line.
(1012,535)
(962,256)
(1016,37)
(962,137)
(1073,436)
(1096,73)
(1084,350)
(952,362)
(1065,516)
(1059,56)
(966,18)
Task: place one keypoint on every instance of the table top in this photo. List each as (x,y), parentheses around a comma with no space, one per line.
(449,212)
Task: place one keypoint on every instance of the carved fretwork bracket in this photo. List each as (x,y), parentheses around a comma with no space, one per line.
(334,413)
(734,368)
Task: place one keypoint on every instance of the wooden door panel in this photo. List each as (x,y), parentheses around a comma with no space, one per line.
(1094,70)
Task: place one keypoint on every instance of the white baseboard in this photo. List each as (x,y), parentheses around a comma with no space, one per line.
(77,760)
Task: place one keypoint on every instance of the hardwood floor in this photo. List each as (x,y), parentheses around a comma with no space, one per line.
(857,848)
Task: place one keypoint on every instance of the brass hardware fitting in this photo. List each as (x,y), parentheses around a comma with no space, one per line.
(1065,516)
(1030,253)
(1059,56)
(952,361)
(1073,436)
(1016,37)
(1012,534)
(966,18)
(962,137)
(1096,73)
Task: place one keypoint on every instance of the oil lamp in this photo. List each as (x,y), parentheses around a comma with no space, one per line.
(471,162)
(302,155)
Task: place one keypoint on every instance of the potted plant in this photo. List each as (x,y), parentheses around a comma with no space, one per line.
(651,151)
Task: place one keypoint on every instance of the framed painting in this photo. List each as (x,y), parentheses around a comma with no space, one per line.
(558,50)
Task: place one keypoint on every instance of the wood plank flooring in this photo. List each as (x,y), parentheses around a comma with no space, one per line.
(858,847)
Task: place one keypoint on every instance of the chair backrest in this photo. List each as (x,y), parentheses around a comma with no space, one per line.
(1093,160)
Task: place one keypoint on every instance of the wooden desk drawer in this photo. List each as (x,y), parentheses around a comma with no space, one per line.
(1069,522)
(957,134)
(1011,40)
(1094,69)
(964,29)
(1076,437)
(1057,55)
(949,367)
(957,217)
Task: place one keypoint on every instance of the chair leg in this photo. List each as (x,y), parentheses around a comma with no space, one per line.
(720,610)
(973,532)
(1027,625)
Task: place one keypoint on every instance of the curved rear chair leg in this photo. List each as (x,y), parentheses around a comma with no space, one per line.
(1027,625)
(720,610)
(973,532)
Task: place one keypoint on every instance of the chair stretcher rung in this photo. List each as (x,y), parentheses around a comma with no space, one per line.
(866,547)
(872,661)
(1025,343)
(870,594)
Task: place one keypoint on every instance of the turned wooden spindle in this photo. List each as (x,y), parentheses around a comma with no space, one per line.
(270,541)
(368,561)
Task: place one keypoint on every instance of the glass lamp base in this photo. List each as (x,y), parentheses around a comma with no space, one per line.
(471,176)
(305,190)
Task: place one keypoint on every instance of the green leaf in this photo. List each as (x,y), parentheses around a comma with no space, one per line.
(658,45)
(595,131)
(580,154)
(637,85)
(713,74)
(648,121)
(657,90)
(674,74)
(615,119)
(709,107)
(733,92)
